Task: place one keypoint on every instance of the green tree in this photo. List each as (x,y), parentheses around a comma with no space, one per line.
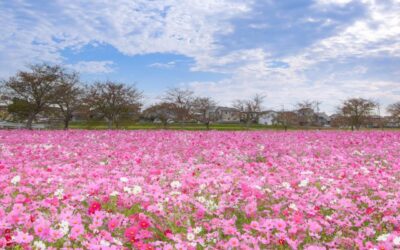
(35,89)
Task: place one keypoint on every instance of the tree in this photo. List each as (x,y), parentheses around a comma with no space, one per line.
(287,119)
(202,107)
(306,113)
(182,101)
(338,121)
(163,111)
(394,111)
(113,100)
(36,88)
(250,109)
(70,96)
(356,110)
(20,109)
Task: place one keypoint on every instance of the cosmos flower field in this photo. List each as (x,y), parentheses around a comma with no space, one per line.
(199,190)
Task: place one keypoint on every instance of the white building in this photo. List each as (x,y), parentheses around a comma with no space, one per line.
(268,118)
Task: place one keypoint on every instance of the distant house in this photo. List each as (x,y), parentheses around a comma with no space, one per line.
(374,121)
(391,122)
(4,103)
(288,118)
(16,125)
(322,119)
(306,116)
(225,115)
(269,117)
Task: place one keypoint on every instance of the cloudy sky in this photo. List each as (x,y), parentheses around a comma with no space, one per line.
(287,50)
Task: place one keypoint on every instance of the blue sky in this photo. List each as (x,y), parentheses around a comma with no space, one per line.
(287,50)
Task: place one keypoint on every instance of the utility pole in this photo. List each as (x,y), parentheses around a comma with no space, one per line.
(317,103)
(378,105)
(284,117)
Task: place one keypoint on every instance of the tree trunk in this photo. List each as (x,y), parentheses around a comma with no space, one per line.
(66,123)
(110,123)
(30,121)
(208,125)
(247,124)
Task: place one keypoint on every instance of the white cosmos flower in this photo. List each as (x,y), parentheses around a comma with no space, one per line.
(128,190)
(383,237)
(293,206)
(104,243)
(59,193)
(136,190)
(123,179)
(396,241)
(160,206)
(64,227)
(39,245)
(286,185)
(201,199)
(174,193)
(117,241)
(197,230)
(16,179)
(304,183)
(114,193)
(176,184)
(190,236)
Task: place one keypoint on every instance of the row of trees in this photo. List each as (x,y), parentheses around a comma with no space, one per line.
(57,92)
(54,91)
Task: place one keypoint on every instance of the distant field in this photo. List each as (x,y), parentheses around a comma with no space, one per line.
(102,125)
(94,125)
(175,126)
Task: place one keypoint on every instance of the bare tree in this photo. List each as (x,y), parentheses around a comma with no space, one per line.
(38,88)
(202,107)
(306,112)
(114,100)
(356,111)
(338,121)
(394,111)
(287,119)
(163,111)
(182,100)
(250,109)
(70,96)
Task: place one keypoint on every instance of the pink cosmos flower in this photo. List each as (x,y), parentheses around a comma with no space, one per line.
(42,228)
(314,227)
(144,223)
(131,232)
(233,243)
(112,224)
(22,238)
(94,206)
(76,231)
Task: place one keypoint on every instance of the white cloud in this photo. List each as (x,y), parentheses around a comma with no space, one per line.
(93,67)
(193,28)
(378,34)
(159,65)
(189,28)
(259,26)
(333,2)
(375,36)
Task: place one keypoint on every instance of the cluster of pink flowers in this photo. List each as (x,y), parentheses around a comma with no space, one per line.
(199,190)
